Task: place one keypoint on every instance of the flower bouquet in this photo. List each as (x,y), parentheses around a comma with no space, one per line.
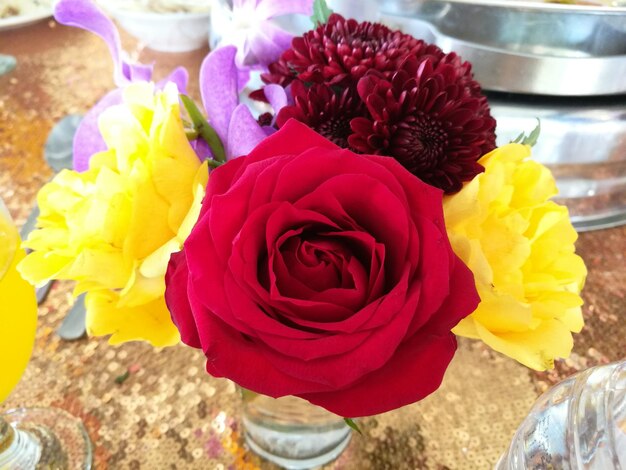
(328,242)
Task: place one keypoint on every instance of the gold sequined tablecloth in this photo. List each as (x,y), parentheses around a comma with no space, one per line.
(169,414)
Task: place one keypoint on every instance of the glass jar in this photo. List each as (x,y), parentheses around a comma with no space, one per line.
(292,432)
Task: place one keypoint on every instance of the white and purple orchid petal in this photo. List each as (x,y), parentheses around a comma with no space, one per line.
(276,97)
(268,43)
(290,100)
(245,3)
(269,130)
(243,77)
(244,133)
(268,9)
(179,76)
(86,15)
(219,88)
(202,149)
(240,42)
(135,72)
(88,140)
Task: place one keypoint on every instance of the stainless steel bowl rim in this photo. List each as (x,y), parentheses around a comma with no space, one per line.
(546,7)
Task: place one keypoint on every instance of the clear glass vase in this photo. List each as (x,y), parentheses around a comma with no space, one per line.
(579,424)
(292,432)
(43,438)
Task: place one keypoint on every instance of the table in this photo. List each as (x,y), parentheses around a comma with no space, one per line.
(168,413)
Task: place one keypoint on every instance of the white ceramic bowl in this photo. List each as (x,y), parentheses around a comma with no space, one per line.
(165,32)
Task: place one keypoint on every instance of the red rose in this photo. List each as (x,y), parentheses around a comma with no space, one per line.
(316,272)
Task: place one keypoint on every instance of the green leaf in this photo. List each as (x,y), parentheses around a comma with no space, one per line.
(350,422)
(534,135)
(518,139)
(530,139)
(321,13)
(204,129)
(120,379)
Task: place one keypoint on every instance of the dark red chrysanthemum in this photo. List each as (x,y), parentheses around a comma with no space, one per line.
(427,119)
(323,110)
(342,51)
(379,91)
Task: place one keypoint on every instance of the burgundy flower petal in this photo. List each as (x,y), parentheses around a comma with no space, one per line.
(423,126)
(342,51)
(377,91)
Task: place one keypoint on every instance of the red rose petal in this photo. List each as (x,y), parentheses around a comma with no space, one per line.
(414,372)
(230,354)
(220,181)
(324,268)
(259,319)
(296,138)
(244,262)
(337,164)
(351,297)
(434,251)
(177,301)
(455,307)
(369,210)
(339,367)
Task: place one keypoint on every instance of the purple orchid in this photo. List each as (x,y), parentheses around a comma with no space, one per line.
(86,15)
(233,121)
(220,82)
(249,27)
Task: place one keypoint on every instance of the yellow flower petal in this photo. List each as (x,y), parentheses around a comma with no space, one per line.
(148,322)
(155,264)
(467,328)
(142,290)
(503,313)
(40,266)
(200,181)
(520,247)
(148,227)
(536,348)
(107,268)
(113,227)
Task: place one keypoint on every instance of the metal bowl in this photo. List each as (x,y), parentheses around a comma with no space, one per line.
(583,142)
(525,47)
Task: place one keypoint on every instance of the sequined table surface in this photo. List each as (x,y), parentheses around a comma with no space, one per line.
(167,413)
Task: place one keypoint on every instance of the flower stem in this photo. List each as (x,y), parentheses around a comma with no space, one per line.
(214,163)
(350,422)
(192,134)
(204,129)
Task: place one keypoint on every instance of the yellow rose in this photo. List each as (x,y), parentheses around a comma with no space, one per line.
(113,227)
(520,247)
